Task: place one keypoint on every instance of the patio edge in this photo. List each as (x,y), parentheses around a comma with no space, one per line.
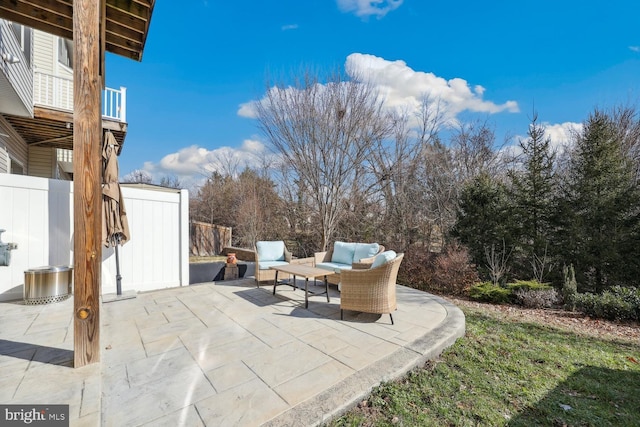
(346,394)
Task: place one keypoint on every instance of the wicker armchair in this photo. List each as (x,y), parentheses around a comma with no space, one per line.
(372,290)
(263,272)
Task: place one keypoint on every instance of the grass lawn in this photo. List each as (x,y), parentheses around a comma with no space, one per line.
(506,372)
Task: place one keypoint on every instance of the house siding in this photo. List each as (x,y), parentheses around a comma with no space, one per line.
(41,161)
(15,146)
(19,75)
(4,160)
(43,52)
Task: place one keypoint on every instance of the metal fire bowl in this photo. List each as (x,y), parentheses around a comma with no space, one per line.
(48,284)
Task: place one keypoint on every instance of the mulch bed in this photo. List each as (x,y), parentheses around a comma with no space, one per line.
(567,320)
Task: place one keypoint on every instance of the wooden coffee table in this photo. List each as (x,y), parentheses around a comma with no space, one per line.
(306,271)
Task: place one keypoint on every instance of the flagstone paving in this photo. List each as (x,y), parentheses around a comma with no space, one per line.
(218,354)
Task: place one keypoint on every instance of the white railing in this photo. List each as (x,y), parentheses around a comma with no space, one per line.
(114,103)
(57,92)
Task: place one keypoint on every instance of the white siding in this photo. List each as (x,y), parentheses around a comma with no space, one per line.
(38,215)
(4,160)
(41,161)
(44,51)
(19,75)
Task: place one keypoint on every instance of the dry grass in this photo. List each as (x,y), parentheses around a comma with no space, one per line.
(199,259)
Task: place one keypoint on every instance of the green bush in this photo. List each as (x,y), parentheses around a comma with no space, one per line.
(569,287)
(616,303)
(489,292)
(528,285)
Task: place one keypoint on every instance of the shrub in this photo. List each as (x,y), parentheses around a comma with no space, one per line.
(454,273)
(536,298)
(528,285)
(616,303)
(490,292)
(569,287)
(416,269)
(448,272)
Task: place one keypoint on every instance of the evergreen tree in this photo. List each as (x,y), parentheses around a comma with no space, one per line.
(601,204)
(532,191)
(482,219)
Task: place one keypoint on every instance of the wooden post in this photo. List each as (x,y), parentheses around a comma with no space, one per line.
(87,177)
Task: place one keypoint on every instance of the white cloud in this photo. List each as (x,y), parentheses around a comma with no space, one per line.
(289,27)
(561,136)
(634,48)
(248,110)
(404,89)
(366,8)
(193,164)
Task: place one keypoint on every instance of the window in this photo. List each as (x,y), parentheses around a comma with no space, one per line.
(65,52)
(23,35)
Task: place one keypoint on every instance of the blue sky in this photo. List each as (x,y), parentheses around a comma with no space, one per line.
(494,60)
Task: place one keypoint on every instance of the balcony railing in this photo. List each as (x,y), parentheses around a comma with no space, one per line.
(57,92)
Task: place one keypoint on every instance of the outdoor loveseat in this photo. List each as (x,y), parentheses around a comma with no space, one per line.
(347,256)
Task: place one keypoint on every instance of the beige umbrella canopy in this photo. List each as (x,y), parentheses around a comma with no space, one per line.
(115,227)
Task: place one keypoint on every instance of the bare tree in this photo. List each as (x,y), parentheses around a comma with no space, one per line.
(397,165)
(170,181)
(138,176)
(626,122)
(474,150)
(541,265)
(497,262)
(324,132)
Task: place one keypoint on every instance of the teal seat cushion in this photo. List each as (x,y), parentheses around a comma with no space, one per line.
(264,265)
(334,266)
(343,253)
(365,250)
(383,258)
(270,251)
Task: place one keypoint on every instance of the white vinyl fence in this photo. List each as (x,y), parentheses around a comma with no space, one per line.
(37,214)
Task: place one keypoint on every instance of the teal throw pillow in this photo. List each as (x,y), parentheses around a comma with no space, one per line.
(343,252)
(365,250)
(383,258)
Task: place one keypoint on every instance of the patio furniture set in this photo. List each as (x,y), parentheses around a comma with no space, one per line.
(365,273)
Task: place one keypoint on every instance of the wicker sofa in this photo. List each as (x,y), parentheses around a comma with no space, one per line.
(372,290)
(346,256)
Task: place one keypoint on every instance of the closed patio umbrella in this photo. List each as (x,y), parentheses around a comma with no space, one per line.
(115,228)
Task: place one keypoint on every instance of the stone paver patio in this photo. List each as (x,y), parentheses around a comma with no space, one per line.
(218,354)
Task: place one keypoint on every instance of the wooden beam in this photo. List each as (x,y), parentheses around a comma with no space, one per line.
(51,114)
(49,141)
(103,41)
(126,21)
(87,197)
